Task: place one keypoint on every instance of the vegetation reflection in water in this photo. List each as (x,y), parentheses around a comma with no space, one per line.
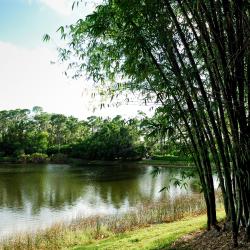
(38,196)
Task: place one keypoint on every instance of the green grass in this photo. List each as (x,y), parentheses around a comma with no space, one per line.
(143,227)
(159,236)
(167,163)
(172,158)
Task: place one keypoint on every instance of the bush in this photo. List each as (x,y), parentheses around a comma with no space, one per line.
(59,158)
(38,158)
(23,158)
(64,149)
(7,159)
(171,158)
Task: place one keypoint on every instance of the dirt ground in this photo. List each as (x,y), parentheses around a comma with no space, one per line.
(210,240)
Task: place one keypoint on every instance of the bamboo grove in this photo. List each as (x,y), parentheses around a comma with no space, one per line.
(193,57)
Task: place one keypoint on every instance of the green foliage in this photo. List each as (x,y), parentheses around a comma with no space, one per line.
(114,139)
(162,137)
(37,141)
(8,159)
(33,158)
(65,149)
(59,158)
(171,158)
(23,158)
(25,132)
(34,131)
(192,58)
(38,158)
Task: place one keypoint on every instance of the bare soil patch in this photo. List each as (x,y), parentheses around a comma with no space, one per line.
(210,240)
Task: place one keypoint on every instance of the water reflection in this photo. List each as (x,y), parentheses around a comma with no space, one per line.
(40,195)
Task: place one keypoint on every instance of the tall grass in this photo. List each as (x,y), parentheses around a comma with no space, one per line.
(86,230)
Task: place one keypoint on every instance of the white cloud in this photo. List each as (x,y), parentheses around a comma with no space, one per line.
(28,79)
(63,7)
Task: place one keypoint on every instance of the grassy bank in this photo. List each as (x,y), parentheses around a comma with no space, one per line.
(155,236)
(81,162)
(166,160)
(132,227)
(159,236)
(166,163)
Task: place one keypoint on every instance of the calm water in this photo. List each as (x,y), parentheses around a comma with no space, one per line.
(37,196)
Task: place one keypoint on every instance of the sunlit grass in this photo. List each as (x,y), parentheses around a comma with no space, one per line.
(144,222)
(159,236)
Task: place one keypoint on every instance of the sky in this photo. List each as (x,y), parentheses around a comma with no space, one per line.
(27,76)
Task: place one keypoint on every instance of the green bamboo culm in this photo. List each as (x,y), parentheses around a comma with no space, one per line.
(193,58)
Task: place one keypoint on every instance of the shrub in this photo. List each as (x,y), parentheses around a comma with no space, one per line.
(59,158)
(64,149)
(38,158)
(7,159)
(171,158)
(23,158)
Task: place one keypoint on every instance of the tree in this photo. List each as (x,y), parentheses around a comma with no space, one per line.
(15,128)
(25,131)
(113,139)
(159,131)
(193,56)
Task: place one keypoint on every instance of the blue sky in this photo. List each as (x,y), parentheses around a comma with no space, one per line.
(23,22)
(27,77)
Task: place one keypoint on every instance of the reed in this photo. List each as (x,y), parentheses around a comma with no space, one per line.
(86,230)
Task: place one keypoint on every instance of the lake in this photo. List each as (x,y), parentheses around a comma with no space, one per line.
(36,196)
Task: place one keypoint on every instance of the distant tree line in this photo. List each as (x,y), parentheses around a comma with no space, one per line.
(36,133)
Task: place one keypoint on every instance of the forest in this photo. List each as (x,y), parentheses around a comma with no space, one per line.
(35,136)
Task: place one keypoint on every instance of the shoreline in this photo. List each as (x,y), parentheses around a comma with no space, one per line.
(160,235)
(75,161)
